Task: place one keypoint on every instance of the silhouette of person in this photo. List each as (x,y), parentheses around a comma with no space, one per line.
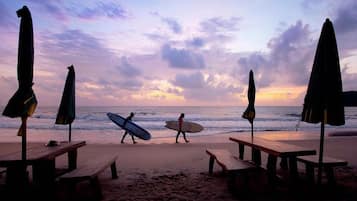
(126,132)
(180,121)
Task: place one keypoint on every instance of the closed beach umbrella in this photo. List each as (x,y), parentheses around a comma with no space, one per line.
(23,103)
(324,101)
(249,113)
(67,110)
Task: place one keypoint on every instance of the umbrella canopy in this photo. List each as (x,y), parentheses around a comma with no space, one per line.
(249,113)
(324,101)
(67,110)
(23,103)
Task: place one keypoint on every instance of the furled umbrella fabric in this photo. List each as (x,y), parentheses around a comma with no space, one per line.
(23,103)
(249,113)
(324,101)
(67,110)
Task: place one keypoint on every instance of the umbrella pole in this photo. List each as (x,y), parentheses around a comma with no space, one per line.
(70,133)
(251,126)
(321,152)
(24,133)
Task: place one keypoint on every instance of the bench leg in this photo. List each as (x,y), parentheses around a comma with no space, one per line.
(211,163)
(330,176)
(94,182)
(241,151)
(114,170)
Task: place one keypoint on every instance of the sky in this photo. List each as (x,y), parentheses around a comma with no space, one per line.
(177,52)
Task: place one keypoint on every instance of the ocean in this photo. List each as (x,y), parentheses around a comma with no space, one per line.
(213,119)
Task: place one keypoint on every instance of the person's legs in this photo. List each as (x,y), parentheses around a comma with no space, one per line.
(178,133)
(122,139)
(184,137)
(132,137)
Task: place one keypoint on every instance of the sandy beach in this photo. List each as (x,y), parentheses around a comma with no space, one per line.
(169,171)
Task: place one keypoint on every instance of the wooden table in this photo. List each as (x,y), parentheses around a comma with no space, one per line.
(274,149)
(42,159)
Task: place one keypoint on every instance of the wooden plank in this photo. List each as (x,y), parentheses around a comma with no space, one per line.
(40,152)
(273,147)
(229,162)
(327,161)
(90,169)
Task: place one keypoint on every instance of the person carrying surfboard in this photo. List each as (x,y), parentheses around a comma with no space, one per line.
(180,122)
(128,118)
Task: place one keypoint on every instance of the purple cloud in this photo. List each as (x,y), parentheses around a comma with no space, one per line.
(218,24)
(195,87)
(193,81)
(291,54)
(126,69)
(196,42)
(346,19)
(182,58)
(173,25)
(54,8)
(110,10)
(7,19)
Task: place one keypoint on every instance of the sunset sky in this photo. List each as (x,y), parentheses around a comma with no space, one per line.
(184,52)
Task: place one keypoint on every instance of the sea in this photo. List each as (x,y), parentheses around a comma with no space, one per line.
(93,124)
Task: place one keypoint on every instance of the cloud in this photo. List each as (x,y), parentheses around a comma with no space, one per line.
(173,25)
(218,24)
(109,9)
(217,31)
(197,88)
(290,54)
(345,25)
(196,42)
(54,8)
(73,45)
(7,19)
(182,58)
(346,18)
(193,81)
(126,69)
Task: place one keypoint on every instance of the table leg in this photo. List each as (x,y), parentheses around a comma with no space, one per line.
(17,178)
(44,173)
(72,159)
(256,157)
(284,163)
(271,168)
(241,151)
(293,168)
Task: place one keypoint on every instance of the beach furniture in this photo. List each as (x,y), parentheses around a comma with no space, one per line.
(274,150)
(328,164)
(232,166)
(43,161)
(227,161)
(89,171)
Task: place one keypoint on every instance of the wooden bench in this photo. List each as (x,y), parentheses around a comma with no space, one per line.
(232,165)
(227,161)
(90,171)
(328,164)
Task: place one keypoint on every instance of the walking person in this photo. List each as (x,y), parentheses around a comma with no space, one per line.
(180,122)
(129,118)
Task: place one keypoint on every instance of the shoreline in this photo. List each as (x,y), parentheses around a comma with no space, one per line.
(114,136)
